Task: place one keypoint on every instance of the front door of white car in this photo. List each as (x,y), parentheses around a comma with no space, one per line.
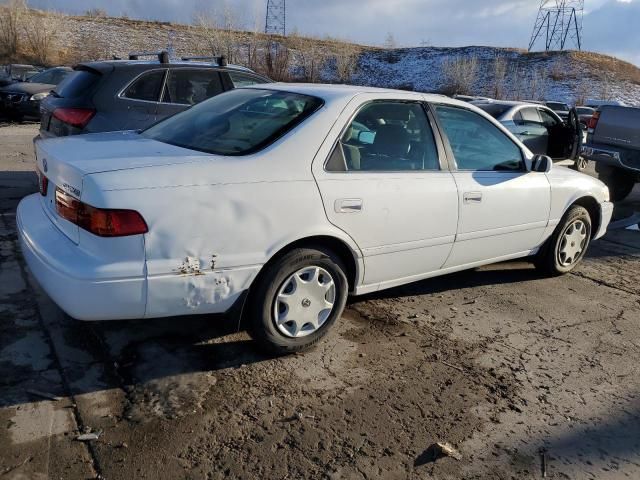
(503,207)
(383,181)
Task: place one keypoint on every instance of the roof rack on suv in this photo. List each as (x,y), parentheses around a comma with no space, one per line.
(163,56)
(221,60)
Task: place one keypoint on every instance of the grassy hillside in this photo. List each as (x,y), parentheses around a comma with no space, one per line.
(495,72)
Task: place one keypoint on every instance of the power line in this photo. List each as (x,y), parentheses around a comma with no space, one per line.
(559,25)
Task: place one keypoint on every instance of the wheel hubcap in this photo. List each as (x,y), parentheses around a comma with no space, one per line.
(572,243)
(304,302)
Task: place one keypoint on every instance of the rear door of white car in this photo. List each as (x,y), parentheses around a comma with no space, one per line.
(383,179)
(503,207)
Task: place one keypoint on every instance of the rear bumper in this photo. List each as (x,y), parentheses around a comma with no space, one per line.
(606,212)
(612,157)
(75,280)
(65,272)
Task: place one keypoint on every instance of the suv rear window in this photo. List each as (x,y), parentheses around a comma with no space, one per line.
(238,122)
(77,84)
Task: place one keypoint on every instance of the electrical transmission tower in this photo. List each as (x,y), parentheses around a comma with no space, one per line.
(559,24)
(276,23)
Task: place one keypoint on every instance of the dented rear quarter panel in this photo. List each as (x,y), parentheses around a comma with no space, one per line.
(215,221)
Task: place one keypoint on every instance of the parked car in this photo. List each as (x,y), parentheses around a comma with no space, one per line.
(594,103)
(22,99)
(539,128)
(290,196)
(471,98)
(560,108)
(584,115)
(613,142)
(16,72)
(134,94)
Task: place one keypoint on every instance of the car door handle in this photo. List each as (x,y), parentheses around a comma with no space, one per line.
(348,205)
(472,197)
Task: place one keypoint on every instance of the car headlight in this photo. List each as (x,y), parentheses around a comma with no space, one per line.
(39,96)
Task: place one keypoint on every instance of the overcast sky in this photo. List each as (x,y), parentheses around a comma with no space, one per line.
(610,26)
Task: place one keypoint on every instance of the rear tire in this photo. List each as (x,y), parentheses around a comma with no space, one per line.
(566,248)
(297,299)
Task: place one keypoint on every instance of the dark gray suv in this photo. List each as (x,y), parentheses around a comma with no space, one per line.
(134,94)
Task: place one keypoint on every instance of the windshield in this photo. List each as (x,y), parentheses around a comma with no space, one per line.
(494,109)
(585,111)
(238,122)
(557,106)
(51,77)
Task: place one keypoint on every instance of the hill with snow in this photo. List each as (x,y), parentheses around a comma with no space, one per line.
(495,72)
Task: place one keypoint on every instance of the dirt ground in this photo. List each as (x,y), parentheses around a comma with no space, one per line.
(522,374)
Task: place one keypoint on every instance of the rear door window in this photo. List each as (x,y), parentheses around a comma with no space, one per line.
(389,136)
(146,87)
(190,86)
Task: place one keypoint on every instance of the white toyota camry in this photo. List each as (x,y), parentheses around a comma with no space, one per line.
(286,198)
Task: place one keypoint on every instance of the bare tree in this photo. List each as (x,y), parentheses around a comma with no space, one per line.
(92,47)
(390,42)
(278,61)
(605,86)
(346,58)
(310,57)
(11,13)
(96,13)
(499,77)
(534,85)
(217,28)
(460,74)
(40,35)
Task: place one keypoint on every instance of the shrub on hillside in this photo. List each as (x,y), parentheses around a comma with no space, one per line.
(10,17)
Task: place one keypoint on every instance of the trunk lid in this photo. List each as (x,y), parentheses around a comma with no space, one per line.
(66,161)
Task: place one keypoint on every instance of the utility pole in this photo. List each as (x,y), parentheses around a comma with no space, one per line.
(559,25)
(276,21)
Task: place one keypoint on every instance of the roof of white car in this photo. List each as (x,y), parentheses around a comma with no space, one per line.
(335,92)
(506,103)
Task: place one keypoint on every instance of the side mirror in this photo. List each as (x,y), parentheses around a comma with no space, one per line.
(541,164)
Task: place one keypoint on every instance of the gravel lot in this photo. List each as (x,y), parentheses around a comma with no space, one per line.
(520,373)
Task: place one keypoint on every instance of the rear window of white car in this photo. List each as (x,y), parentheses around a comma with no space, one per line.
(239,122)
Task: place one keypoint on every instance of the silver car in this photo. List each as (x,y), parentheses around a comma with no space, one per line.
(538,127)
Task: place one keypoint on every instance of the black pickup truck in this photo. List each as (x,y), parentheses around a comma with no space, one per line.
(613,143)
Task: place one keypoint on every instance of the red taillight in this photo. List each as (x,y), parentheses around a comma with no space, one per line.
(593,121)
(43,182)
(76,117)
(99,221)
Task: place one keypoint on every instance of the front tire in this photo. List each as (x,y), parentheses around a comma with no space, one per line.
(568,245)
(297,299)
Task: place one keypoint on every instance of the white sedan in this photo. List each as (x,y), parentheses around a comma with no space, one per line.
(285,199)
